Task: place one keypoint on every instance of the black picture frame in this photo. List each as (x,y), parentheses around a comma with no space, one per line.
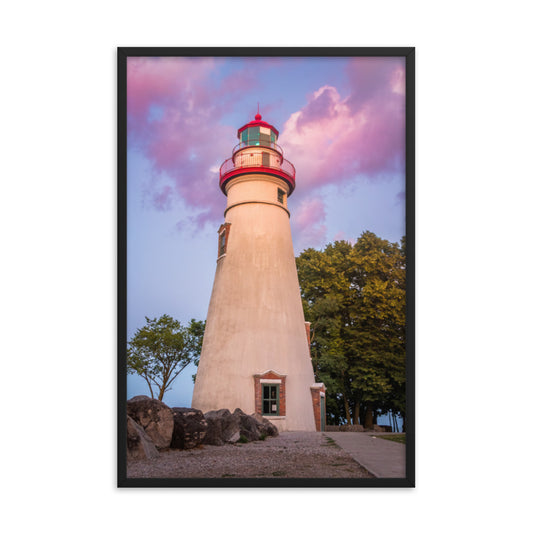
(123,53)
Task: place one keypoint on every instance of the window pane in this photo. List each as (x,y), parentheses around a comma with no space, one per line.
(265,139)
(253,134)
(270,399)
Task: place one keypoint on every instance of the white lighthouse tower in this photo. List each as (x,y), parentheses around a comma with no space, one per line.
(255,353)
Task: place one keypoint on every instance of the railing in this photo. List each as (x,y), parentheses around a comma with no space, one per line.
(258,142)
(286,167)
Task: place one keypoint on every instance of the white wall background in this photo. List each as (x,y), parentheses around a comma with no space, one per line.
(474,251)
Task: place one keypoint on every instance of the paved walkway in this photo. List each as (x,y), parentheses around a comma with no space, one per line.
(380,457)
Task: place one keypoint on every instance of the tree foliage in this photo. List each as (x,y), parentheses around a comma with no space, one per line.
(161,349)
(354,297)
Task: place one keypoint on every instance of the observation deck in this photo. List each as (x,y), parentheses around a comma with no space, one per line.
(257,163)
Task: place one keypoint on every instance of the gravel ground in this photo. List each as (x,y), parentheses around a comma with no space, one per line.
(293,454)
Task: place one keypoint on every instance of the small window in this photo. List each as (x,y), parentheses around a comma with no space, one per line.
(270,399)
(281,196)
(223,233)
(222,243)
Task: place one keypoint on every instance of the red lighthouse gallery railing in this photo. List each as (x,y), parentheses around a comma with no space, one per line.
(263,162)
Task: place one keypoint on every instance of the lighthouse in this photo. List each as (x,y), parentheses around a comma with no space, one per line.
(255,353)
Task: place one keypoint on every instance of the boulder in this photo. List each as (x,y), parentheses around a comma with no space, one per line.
(222,427)
(265,426)
(154,417)
(248,425)
(190,428)
(139,445)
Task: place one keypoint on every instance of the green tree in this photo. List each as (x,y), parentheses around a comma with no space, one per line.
(160,350)
(354,296)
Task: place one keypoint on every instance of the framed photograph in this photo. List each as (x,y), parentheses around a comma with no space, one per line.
(266,267)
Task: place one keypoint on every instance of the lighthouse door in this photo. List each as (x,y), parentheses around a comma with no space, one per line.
(266,159)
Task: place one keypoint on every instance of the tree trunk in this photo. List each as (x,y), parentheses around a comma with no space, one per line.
(356,412)
(369,419)
(149,386)
(347,409)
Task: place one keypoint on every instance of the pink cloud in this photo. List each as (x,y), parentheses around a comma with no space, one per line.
(341,236)
(161,81)
(175,107)
(307,222)
(162,198)
(360,134)
(174,110)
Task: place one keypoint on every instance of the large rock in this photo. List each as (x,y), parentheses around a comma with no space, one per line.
(222,427)
(154,417)
(248,425)
(139,445)
(190,428)
(266,427)
(225,427)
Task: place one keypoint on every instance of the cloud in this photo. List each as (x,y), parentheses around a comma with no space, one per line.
(308,223)
(336,140)
(400,198)
(333,140)
(341,236)
(174,111)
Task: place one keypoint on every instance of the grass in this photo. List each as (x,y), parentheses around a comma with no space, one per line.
(394,438)
(330,442)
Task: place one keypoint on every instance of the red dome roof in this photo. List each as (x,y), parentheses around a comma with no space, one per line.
(258,122)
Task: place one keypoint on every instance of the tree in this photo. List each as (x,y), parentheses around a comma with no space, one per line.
(354,296)
(159,351)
